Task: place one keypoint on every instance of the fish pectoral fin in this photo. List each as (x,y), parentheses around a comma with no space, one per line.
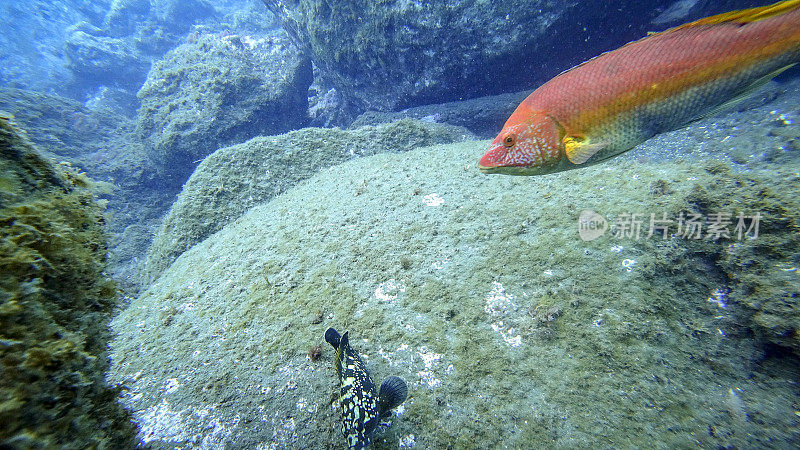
(393,392)
(579,150)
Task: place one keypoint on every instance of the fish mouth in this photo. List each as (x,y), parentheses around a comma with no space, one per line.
(507,170)
(493,162)
(487,169)
(490,161)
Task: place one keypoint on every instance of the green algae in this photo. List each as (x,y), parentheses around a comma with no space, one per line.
(101,143)
(234,179)
(55,302)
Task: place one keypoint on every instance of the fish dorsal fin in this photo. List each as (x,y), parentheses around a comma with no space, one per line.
(579,150)
(740,16)
(332,337)
(745,15)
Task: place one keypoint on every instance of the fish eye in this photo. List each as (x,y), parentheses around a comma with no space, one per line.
(509,140)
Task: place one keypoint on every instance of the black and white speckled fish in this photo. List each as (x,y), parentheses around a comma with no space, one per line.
(362,408)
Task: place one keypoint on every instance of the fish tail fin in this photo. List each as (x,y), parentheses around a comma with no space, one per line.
(746,15)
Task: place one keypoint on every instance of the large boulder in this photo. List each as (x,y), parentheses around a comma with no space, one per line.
(219,90)
(234,179)
(510,329)
(166,24)
(61,127)
(55,304)
(98,60)
(398,54)
(485,116)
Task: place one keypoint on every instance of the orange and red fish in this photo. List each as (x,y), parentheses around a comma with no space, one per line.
(621,98)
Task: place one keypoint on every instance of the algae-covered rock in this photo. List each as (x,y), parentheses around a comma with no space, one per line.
(234,179)
(55,303)
(510,329)
(103,144)
(217,90)
(59,125)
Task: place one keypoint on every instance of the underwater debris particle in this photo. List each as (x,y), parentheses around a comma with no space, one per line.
(628,264)
(315,352)
(433,200)
(407,441)
(389,290)
(718,296)
(304,405)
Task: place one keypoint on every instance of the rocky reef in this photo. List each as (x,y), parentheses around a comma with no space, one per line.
(104,144)
(479,291)
(219,90)
(33,39)
(103,49)
(97,60)
(116,51)
(398,54)
(522,312)
(55,304)
(234,179)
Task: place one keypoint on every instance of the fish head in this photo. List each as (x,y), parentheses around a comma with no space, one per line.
(528,145)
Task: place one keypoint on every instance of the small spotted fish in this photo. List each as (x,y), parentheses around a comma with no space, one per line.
(362,408)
